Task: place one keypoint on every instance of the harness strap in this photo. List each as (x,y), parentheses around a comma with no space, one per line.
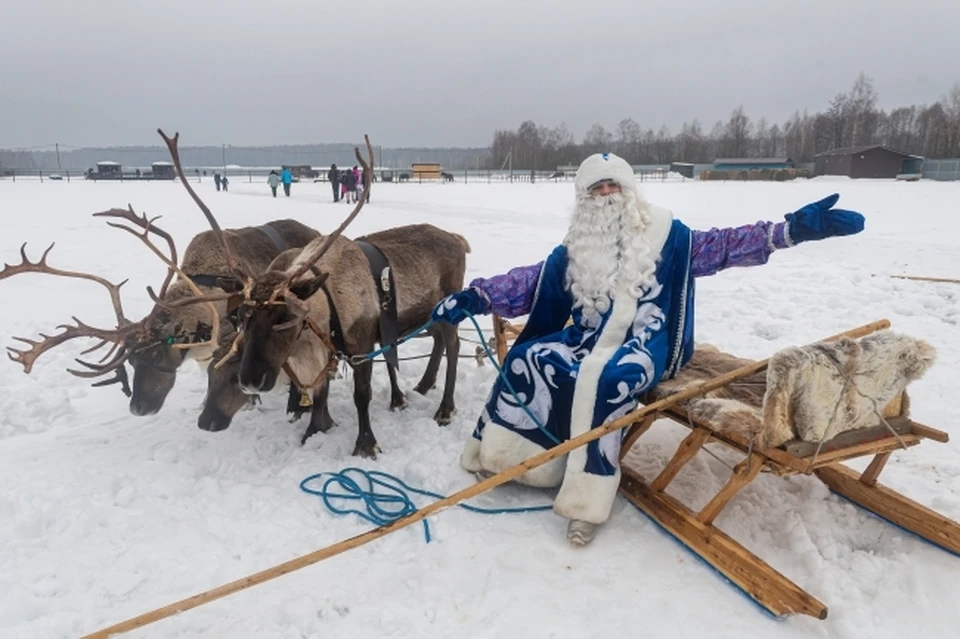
(386,294)
(327,370)
(271,232)
(336,328)
(213,280)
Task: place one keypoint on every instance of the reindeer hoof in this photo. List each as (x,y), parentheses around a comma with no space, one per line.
(444,417)
(398,402)
(367,451)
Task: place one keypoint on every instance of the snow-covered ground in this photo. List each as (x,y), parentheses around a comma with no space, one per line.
(104,515)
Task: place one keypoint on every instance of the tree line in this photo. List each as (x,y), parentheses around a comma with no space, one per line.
(850,119)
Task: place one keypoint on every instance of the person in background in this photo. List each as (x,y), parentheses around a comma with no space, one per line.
(334,176)
(274,181)
(216,180)
(287,178)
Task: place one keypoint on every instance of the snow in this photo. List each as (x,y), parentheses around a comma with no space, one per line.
(105,516)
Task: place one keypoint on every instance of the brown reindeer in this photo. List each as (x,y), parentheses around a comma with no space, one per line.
(350,290)
(160,342)
(290,318)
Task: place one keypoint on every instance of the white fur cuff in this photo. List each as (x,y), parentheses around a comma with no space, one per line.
(502,448)
(470,457)
(586,496)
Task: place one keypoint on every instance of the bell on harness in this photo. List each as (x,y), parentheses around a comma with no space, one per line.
(305,399)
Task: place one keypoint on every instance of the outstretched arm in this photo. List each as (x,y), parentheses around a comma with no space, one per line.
(750,245)
(510,294)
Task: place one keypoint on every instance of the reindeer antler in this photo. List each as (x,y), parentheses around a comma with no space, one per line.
(172,145)
(282,291)
(38,348)
(172,267)
(148,227)
(329,240)
(41,266)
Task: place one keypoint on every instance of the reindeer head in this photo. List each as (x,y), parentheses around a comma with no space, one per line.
(273,320)
(174,333)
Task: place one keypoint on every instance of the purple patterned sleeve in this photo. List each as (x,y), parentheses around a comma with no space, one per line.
(749,245)
(510,294)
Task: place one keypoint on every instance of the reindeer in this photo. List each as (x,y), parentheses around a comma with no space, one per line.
(225,397)
(289,318)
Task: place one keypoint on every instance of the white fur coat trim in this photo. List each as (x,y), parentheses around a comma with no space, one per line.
(584,496)
(502,448)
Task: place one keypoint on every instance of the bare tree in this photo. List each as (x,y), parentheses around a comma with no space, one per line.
(597,140)
(628,140)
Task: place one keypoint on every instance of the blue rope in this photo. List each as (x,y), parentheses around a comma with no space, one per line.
(383,508)
(400,341)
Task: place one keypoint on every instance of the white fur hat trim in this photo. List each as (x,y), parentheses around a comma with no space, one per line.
(604,166)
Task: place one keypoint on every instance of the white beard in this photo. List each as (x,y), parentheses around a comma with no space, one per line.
(607,250)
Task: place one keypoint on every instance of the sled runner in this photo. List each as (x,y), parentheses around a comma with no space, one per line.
(810,409)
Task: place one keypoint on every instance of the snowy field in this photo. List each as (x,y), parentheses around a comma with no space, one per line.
(104,515)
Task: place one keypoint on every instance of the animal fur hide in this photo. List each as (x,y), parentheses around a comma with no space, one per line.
(811,393)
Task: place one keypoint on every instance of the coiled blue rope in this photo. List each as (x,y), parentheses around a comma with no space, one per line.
(383,508)
(389,505)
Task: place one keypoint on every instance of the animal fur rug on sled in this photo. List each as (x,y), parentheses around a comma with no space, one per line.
(811,393)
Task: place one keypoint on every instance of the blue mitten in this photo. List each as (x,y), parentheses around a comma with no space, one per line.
(453,309)
(819,220)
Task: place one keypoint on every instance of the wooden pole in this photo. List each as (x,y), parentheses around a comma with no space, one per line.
(471,491)
(926,279)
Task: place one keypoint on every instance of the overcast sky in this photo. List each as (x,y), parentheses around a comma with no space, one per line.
(445,72)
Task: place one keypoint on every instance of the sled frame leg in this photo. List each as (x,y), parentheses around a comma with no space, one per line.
(896,508)
(755,577)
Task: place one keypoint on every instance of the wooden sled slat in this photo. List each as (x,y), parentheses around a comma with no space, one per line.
(805,450)
(752,575)
(893,507)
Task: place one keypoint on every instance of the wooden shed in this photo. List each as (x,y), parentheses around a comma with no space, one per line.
(425,170)
(876,161)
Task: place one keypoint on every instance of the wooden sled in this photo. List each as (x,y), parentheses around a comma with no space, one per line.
(695,529)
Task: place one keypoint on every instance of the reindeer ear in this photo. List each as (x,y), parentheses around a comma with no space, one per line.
(306,288)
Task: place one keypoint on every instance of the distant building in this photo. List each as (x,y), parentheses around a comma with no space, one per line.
(683,168)
(163,171)
(425,170)
(109,170)
(876,161)
(746,164)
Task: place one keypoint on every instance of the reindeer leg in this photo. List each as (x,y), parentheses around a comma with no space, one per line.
(447,408)
(366,441)
(397,400)
(320,419)
(429,379)
(293,404)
